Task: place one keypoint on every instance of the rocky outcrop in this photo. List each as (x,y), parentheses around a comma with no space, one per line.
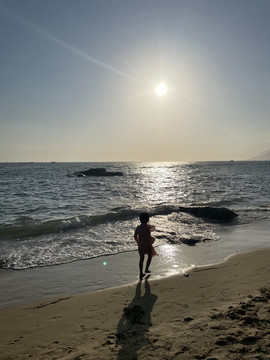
(221,214)
(190,242)
(97,172)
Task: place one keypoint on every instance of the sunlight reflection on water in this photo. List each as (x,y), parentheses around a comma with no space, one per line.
(173,259)
(159,182)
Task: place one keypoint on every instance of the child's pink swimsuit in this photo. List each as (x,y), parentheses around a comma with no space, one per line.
(144,240)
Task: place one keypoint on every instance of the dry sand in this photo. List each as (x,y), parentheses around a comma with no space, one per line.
(216,312)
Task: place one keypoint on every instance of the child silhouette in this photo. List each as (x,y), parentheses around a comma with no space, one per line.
(144,240)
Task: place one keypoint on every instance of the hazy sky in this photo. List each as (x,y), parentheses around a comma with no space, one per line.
(77,80)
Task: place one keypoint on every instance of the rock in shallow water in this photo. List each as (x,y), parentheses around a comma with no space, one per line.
(208,212)
(98,172)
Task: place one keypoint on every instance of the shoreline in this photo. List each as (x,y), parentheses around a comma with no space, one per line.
(217,311)
(84,276)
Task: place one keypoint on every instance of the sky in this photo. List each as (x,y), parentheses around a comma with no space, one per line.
(78,78)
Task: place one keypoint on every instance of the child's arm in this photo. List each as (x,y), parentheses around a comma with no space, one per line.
(152,228)
(136,235)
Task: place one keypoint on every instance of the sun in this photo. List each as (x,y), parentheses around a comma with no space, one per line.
(161,89)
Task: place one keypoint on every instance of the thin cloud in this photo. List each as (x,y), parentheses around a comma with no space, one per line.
(46,35)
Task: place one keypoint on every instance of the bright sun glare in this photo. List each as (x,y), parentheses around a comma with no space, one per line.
(161,89)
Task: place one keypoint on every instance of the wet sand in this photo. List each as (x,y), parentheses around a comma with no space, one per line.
(214,312)
(25,286)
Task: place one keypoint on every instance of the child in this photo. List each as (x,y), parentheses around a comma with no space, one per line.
(144,239)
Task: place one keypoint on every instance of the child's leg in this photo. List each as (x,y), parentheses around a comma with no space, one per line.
(149,259)
(141,265)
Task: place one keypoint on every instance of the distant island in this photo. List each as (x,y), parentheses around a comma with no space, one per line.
(265,156)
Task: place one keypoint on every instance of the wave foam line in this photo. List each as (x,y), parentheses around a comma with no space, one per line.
(31,228)
(28,227)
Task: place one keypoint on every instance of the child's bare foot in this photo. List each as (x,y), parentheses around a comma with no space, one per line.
(142,276)
(148,271)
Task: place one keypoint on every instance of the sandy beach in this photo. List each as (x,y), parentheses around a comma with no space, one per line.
(214,312)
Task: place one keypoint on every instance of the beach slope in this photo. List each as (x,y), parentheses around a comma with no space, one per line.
(215,312)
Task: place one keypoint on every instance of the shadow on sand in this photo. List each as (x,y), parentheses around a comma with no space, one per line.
(135,322)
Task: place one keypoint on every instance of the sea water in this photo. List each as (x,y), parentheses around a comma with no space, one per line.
(49,218)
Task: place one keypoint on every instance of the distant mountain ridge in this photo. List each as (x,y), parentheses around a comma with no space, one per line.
(265,156)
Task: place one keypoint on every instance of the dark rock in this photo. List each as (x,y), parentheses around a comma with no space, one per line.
(98,172)
(190,242)
(213,213)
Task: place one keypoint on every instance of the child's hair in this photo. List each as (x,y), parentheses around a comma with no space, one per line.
(144,218)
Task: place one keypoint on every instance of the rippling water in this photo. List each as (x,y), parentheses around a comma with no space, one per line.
(47,217)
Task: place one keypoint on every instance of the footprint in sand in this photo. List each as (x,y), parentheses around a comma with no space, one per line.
(16,340)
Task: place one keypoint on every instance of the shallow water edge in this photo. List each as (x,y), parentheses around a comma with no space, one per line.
(25,286)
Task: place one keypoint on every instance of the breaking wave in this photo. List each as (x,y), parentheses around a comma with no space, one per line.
(25,227)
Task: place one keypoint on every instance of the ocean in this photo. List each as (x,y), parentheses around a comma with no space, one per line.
(49,218)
